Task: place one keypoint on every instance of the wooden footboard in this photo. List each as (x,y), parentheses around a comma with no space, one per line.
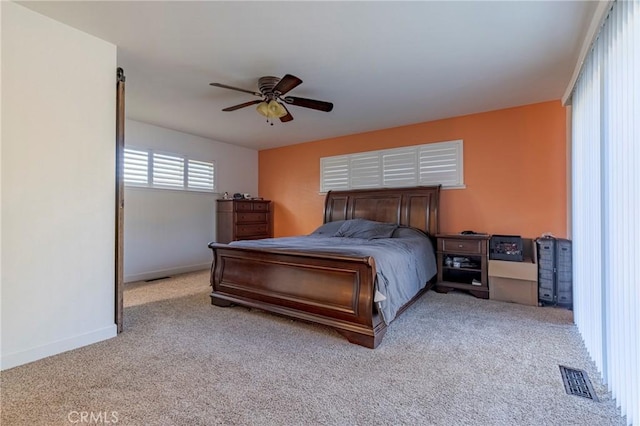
(333,290)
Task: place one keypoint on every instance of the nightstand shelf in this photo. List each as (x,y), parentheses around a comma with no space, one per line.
(457,249)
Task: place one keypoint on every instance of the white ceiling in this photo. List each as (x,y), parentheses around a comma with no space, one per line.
(382,64)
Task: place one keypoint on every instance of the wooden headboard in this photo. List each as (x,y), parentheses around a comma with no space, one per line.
(415,206)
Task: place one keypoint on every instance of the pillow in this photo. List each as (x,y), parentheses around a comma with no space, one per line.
(366,229)
(328,229)
(408,232)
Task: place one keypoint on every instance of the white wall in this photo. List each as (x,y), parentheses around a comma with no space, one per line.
(57,187)
(0,190)
(166,232)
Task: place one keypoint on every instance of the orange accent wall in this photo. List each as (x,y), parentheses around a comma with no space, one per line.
(514,170)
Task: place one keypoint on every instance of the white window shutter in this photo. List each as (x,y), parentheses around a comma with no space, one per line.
(441,163)
(136,167)
(334,173)
(168,170)
(400,167)
(365,170)
(143,167)
(200,175)
(438,163)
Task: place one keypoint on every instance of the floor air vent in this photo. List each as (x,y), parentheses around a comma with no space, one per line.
(156,279)
(576,382)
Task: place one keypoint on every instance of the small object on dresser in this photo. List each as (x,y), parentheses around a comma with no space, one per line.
(476,282)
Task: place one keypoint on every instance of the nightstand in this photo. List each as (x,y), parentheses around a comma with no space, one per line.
(463,263)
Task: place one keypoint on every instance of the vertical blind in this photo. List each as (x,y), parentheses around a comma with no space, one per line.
(587,194)
(606,205)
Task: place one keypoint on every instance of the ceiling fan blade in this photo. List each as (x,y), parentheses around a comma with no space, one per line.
(246,104)
(287,83)
(309,103)
(287,117)
(224,86)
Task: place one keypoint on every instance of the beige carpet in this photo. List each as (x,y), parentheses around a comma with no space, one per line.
(448,360)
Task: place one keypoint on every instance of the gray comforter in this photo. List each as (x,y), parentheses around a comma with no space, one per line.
(404,263)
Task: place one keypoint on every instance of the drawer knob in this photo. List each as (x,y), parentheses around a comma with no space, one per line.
(459,245)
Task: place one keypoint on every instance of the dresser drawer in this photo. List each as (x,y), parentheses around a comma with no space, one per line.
(461,246)
(260,207)
(251,230)
(243,206)
(243,217)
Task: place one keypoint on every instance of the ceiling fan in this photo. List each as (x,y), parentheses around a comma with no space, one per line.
(272,100)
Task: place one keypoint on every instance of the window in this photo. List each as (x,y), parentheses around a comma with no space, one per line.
(136,166)
(430,164)
(168,171)
(147,168)
(200,175)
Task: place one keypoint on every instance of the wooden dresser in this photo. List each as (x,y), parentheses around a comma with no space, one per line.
(243,220)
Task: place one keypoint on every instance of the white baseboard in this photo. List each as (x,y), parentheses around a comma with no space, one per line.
(166,272)
(23,357)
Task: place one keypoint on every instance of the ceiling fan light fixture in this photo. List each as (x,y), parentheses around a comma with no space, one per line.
(263,109)
(272,101)
(271,109)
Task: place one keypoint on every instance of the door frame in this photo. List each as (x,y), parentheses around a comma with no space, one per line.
(119,229)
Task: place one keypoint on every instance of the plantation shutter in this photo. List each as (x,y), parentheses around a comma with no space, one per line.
(365,170)
(431,164)
(400,167)
(168,170)
(136,167)
(441,163)
(200,175)
(334,173)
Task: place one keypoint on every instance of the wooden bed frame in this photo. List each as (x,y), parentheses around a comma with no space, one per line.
(333,290)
